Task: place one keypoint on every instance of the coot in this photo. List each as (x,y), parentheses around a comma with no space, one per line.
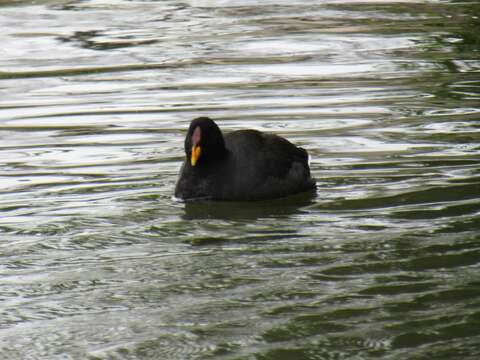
(243,165)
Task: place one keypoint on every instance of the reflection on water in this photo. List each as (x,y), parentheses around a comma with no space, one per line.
(249,210)
(98,261)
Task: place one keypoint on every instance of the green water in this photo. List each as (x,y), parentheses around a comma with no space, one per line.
(98,261)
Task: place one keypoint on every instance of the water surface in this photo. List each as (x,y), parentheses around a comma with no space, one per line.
(99,262)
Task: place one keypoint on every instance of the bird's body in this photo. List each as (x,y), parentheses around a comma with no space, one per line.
(243,165)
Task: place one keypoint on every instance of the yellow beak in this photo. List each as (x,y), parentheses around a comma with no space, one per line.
(196,151)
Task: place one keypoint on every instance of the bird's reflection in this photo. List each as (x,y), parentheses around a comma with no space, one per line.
(226,210)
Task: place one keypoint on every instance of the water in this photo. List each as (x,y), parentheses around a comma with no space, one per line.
(98,261)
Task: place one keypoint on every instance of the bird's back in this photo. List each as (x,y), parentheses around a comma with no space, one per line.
(267,165)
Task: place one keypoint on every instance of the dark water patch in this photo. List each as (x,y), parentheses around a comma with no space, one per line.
(398,289)
(446,260)
(441,212)
(442,334)
(438,194)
